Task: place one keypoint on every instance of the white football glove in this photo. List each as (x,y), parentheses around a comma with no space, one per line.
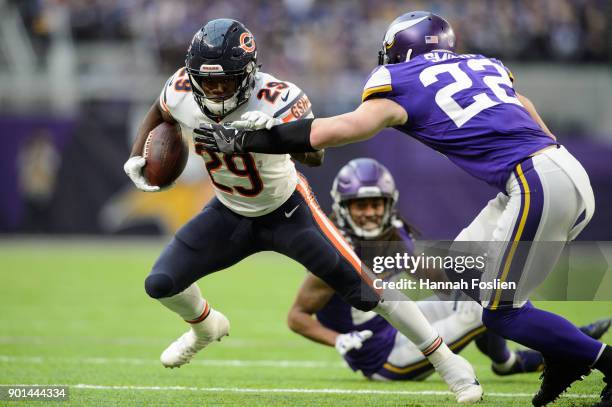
(351,340)
(133,169)
(255,121)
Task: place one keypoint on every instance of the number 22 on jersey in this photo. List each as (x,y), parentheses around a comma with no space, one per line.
(215,162)
(462,81)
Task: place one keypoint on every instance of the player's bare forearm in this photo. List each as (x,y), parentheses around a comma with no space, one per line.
(314,159)
(304,324)
(308,135)
(530,107)
(154,117)
(312,296)
(367,120)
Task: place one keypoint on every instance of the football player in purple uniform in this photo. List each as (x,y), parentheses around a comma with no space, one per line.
(364,210)
(465,107)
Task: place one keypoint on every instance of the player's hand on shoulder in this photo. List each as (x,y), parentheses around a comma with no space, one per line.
(133,168)
(352,340)
(255,120)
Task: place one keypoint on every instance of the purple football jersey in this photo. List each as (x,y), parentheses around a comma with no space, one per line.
(465,107)
(338,316)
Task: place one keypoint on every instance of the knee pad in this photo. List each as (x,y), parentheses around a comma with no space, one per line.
(159,285)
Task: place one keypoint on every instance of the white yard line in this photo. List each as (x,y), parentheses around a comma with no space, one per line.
(291,390)
(314,364)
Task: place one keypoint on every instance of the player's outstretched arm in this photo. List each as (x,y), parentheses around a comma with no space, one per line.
(312,296)
(306,135)
(528,104)
(366,121)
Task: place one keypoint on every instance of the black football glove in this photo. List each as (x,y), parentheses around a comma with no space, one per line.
(216,137)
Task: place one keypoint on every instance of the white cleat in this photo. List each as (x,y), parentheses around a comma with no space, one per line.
(181,351)
(461,379)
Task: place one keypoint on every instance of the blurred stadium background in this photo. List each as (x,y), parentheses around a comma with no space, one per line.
(76,77)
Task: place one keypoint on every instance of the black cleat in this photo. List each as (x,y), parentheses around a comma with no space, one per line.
(606,394)
(556,378)
(597,329)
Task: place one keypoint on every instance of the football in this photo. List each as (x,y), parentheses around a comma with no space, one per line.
(166,154)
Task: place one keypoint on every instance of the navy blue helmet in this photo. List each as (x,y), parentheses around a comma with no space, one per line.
(221,63)
(415,33)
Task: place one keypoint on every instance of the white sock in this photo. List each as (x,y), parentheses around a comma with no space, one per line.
(407,318)
(504,367)
(439,355)
(189,304)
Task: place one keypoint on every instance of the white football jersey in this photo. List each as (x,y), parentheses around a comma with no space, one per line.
(251,184)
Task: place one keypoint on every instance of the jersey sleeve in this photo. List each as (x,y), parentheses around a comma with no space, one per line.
(294,106)
(174,90)
(378,84)
(508,71)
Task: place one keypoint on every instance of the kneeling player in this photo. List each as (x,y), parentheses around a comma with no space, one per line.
(364,209)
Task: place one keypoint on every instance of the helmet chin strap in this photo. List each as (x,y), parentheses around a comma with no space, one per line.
(223,107)
(408,55)
(361,232)
(243,94)
(344,218)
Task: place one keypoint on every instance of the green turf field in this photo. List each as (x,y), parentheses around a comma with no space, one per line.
(75,313)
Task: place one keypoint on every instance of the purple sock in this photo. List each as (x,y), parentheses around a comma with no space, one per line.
(550,334)
(497,350)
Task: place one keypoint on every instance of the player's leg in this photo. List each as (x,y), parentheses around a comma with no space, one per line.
(311,239)
(543,206)
(457,327)
(198,249)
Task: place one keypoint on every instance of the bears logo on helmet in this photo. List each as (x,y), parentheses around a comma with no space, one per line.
(247,42)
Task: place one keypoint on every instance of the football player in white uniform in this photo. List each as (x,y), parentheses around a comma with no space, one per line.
(261,203)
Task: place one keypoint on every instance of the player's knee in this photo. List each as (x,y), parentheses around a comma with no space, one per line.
(498,320)
(364,305)
(361,300)
(159,286)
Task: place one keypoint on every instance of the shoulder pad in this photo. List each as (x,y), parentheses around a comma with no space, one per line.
(175,90)
(282,99)
(379,82)
(505,67)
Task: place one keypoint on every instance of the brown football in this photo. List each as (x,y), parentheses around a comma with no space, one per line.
(166,154)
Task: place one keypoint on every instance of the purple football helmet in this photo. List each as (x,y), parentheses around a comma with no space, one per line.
(415,33)
(364,178)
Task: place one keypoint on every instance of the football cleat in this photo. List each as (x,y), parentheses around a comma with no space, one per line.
(461,379)
(526,361)
(606,394)
(597,329)
(556,378)
(181,351)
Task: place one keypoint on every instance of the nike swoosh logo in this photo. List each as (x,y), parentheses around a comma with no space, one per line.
(284,98)
(288,214)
